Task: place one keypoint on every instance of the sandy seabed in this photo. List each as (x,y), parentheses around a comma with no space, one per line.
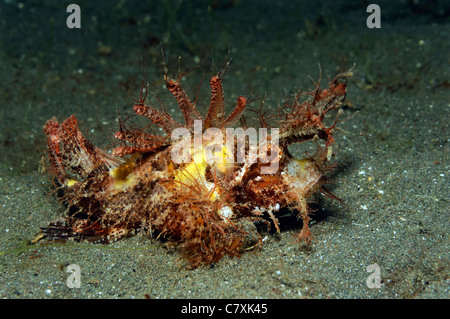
(392,155)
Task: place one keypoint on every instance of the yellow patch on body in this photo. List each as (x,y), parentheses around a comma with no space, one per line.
(123,175)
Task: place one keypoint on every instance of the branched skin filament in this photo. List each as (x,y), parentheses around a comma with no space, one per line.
(204,183)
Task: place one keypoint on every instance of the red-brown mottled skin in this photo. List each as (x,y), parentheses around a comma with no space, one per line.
(205,208)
